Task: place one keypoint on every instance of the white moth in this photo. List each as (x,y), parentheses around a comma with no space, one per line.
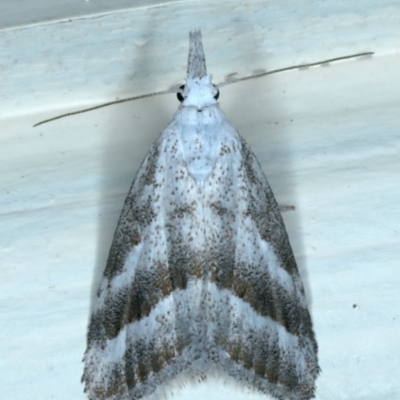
(200,278)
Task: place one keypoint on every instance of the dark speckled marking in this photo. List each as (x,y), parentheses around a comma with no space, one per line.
(179,231)
(264,210)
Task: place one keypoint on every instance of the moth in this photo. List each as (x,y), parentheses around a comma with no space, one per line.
(200,278)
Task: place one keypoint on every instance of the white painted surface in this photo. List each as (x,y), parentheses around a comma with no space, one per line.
(327,137)
(19,13)
(141,50)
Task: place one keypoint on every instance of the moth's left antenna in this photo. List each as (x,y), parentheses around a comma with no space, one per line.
(110,103)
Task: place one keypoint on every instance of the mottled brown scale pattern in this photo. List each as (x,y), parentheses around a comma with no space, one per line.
(223,270)
(266,362)
(97,333)
(264,210)
(221,211)
(116,317)
(116,386)
(130,364)
(135,239)
(147,362)
(187,286)
(134,217)
(268,300)
(147,289)
(139,364)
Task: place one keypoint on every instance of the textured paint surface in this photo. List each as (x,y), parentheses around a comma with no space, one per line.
(327,138)
(143,50)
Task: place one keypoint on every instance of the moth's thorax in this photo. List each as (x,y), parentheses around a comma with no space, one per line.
(199,92)
(200,136)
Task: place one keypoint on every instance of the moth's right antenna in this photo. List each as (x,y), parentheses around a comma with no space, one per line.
(275,71)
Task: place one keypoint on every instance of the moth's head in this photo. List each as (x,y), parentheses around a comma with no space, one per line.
(198,92)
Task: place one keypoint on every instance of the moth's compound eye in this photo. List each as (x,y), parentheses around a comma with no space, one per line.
(179,94)
(216,95)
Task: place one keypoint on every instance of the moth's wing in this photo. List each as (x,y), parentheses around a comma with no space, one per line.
(200,275)
(141,329)
(263,330)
